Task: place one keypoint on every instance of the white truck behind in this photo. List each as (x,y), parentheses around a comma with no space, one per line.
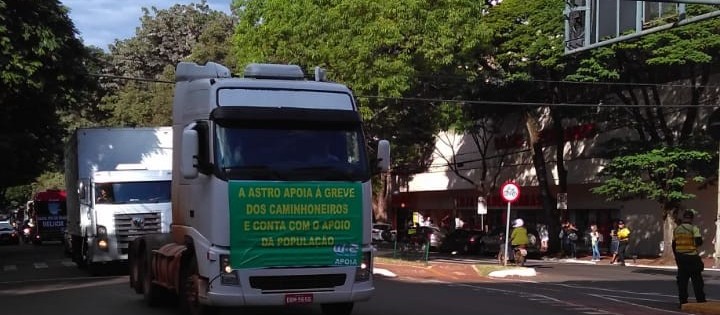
(118,183)
(271,194)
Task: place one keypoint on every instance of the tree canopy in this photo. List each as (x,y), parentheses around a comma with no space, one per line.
(41,72)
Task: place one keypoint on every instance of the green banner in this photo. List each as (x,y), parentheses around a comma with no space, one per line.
(293,224)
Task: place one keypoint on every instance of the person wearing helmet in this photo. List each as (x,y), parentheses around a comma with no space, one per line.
(519,240)
(686,240)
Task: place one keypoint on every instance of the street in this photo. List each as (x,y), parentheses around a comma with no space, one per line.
(36,280)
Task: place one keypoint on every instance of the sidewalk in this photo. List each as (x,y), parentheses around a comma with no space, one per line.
(637,262)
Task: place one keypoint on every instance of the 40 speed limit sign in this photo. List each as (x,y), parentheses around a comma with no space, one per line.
(510,192)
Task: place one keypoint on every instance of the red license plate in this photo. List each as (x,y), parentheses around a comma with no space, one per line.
(298,298)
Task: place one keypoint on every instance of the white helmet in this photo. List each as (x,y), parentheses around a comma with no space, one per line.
(518,222)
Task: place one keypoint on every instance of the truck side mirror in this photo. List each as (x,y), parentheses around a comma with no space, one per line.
(383,155)
(189,154)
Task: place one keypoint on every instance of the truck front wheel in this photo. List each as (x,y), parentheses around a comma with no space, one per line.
(152,293)
(136,259)
(189,290)
(337,308)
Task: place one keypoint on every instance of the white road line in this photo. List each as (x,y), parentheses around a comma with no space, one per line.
(68,263)
(636,305)
(9,268)
(40,265)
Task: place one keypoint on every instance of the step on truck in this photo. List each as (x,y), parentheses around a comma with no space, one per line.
(271,194)
(118,184)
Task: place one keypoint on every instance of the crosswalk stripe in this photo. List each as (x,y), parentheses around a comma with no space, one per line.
(68,263)
(40,265)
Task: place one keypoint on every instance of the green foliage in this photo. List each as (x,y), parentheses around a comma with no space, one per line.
(658,174)
(49,180)
(41,72)
(17,194)
(190,32)
(381,49)
(527,38)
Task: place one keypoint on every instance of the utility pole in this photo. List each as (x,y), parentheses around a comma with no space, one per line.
(713,126)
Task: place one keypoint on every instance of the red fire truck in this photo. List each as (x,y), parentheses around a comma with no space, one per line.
(47,215)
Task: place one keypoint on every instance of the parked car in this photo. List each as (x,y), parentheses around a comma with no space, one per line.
(493,241)
(434,234)
(8,234)
(383,232)
(463,241)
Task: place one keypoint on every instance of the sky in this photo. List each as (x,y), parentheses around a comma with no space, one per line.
(100,22)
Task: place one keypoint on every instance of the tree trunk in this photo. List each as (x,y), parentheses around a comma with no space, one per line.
(551,215)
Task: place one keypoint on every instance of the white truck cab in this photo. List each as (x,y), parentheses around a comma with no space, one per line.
(271,193)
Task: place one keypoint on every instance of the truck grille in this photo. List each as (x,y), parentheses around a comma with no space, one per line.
(130,226)
(275,283)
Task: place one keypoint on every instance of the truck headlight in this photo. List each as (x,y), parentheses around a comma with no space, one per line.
(102,238)
(228,276)
(365,269)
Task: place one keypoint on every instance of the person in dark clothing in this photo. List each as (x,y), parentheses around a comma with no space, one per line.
(686,240)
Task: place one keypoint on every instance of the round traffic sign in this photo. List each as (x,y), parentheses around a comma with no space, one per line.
(510,191)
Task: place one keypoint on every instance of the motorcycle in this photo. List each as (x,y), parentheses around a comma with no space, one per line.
(26,234)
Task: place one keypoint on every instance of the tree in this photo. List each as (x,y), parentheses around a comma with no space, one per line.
(644,65)
(191,32)
(386,51)
(42,72)
(526,63)
(660,175)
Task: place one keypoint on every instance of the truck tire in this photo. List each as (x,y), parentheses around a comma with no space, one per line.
(188,293)
(153,294)
(337,308)
(135,262)
(76,251)
(87,262)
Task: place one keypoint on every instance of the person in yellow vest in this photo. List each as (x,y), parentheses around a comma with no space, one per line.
(686,239)
(623,235)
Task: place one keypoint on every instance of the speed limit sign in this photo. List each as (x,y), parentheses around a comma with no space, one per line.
(510,192)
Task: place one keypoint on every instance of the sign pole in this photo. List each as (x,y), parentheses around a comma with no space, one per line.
(507,235)
(509,192)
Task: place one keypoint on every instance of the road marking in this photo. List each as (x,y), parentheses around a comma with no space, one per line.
(636,304)
(40,265)
(9,268)
(68,263)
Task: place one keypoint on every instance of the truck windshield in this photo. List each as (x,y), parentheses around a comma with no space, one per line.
(50,208)
(133,192)
(255,152)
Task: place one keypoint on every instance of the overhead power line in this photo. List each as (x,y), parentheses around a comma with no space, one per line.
(503,103)
(473,102)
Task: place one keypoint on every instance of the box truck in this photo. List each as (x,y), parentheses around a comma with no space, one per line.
(118,188)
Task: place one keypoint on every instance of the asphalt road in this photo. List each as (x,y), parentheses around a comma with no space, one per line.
(40,280)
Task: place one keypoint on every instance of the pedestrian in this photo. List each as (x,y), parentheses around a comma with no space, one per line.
(614,243)
(686,239)
(568,237)
(544,237)
(595,242)
(623,235)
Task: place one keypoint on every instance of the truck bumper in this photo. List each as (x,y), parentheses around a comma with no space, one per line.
(359,293)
